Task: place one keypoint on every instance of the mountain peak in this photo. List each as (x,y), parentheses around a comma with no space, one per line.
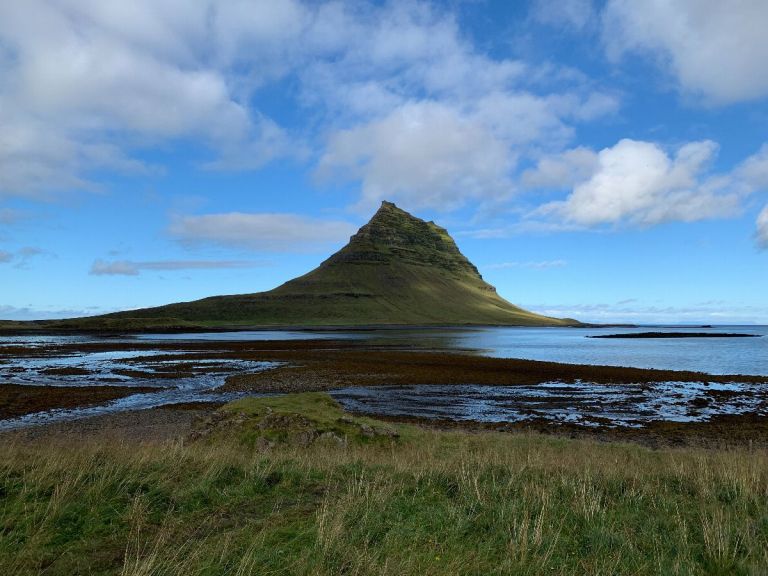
(389,211)
(394,235)
(397,269)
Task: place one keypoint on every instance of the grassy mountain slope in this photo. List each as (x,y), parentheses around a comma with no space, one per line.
(397,269)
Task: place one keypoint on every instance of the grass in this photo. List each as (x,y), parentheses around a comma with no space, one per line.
(427,502)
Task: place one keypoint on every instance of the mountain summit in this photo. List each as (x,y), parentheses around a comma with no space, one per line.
(394,236)
(397,269)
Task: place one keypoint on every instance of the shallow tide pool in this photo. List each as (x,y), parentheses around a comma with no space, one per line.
(582,403)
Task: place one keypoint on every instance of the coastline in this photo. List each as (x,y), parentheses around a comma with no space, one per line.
(326,365)
(34,327)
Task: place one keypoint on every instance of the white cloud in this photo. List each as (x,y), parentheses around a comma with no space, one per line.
(762,228)
(86,85)
(713,48)
(640,183)
(541,265)
(84,82)
(561,170)
(426,154)
(575,14)
(429,120)
(5,257)
(261,231)
(754,170)
(429,154)
(130,268)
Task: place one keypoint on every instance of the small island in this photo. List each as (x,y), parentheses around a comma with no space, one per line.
(678,335)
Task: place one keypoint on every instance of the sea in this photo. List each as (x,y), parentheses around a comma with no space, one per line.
(569,345)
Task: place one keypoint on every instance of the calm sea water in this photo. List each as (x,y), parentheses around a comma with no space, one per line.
(570,345)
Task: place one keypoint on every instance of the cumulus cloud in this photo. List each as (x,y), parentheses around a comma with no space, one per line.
(561,170)
(430,154)
(640,183)
(426,153)
(130,268)
(716,49)
(762,228)
(86,84)
(430,121)
(260,231)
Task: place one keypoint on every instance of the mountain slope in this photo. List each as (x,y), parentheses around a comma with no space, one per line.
(397,269)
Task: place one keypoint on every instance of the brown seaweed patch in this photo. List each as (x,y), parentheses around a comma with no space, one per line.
(18,400)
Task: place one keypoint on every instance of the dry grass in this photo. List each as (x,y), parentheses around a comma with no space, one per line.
(430,503)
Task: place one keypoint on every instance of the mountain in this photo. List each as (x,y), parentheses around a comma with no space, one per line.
(397,269)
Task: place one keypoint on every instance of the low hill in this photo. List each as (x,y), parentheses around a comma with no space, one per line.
(396,270)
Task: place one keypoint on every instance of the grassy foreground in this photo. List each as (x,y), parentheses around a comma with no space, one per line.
(389,500)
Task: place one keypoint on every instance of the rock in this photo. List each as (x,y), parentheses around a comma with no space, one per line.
(388,432)
(331,438)
(367,431)
(305,438)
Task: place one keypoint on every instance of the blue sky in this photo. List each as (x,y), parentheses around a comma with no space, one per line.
(601,160)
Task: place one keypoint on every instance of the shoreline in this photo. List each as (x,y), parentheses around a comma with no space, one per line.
(184,422)
(325,365)
(116,332)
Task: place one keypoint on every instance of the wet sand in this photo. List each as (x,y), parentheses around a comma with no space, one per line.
(331,365)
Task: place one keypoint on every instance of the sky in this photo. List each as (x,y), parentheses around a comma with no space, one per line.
(603,160)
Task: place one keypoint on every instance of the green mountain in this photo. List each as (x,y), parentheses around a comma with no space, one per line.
(397,269)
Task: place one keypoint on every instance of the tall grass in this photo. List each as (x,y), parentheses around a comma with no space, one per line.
(435,503)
